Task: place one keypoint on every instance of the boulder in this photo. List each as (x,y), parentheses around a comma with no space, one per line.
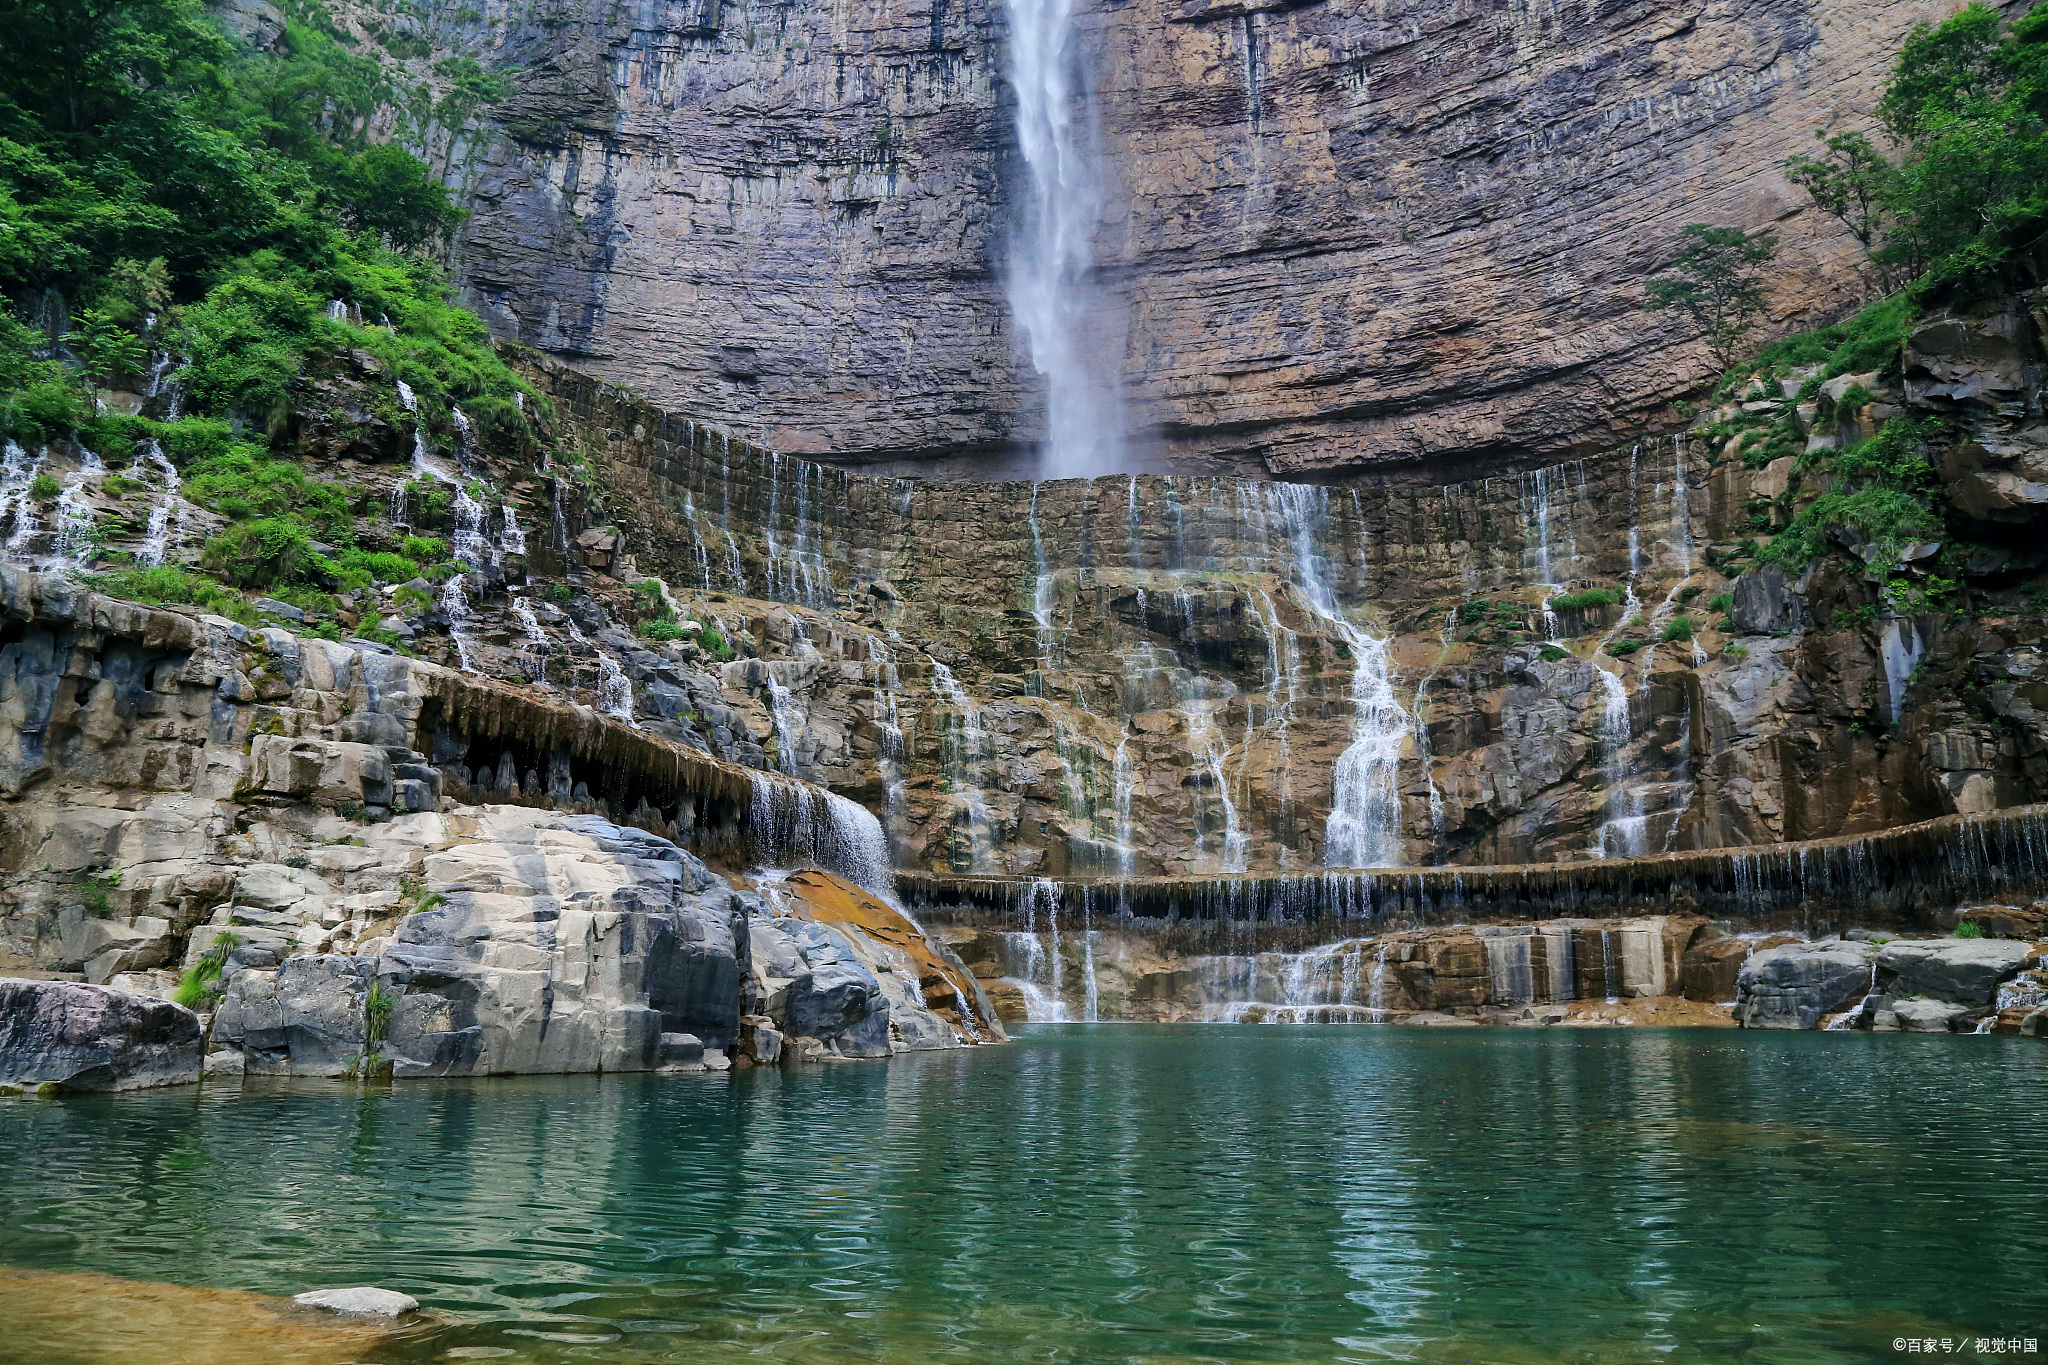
(682,1050)
(1792,986)
(1764,603)
(1922,1015)
(306,1018)
(564,943)
(1710,967)
(79,1037)
(1962,970)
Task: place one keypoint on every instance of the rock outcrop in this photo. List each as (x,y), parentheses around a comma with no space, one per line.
(78,1037)
(796,220)
(1796,985)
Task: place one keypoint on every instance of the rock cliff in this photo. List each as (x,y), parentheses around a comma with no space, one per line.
(1344,238)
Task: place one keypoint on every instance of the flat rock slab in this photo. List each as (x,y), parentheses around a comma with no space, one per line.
(1963,970)
(79,1037)
(365,1300)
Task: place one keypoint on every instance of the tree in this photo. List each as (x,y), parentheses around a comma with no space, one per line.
(1717,285)
(389,191)
(1849,182)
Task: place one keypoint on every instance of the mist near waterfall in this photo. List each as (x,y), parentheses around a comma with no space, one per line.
(1071,329)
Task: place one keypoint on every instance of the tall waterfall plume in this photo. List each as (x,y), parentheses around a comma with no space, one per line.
(1053,296)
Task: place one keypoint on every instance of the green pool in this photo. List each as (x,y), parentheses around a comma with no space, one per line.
(1108,1193)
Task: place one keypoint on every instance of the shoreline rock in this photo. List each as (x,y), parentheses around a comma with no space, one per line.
(74,1037)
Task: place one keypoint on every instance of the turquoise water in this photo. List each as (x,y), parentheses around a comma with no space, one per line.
(1115,1193)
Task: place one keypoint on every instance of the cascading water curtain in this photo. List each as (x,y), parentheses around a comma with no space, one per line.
(1053,298)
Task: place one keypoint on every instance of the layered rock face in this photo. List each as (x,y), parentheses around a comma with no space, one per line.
(1161,675)
(1665,969)
(244,810)
(794,219)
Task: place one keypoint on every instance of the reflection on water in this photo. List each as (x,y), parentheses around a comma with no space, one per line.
(1155,1194)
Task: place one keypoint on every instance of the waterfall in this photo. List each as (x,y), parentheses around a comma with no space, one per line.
(792,823)
(890,750)
(1041,591)
(1364,828)
(787,717)
(1622,834)
(406,398)
(75,517)
(1125,778)
(614,690)
(511,539)
(1208,748)
(536,639)
(158,540)
(961,754)
(1051,288)
(16,474)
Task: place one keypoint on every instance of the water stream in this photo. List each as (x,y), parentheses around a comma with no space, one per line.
(1055,301)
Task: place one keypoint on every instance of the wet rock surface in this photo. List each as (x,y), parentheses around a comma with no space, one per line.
(79,1037)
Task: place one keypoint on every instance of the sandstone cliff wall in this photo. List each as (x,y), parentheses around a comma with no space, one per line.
(1345,237)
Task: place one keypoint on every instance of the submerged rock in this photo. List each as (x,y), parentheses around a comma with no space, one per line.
(363,1299)
(79,1037)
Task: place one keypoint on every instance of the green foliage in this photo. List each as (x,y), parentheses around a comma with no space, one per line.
(1969,928)
(1721,601)
(1967,109)
(377,1009)
(412,599)
(425,549)
(381,568)
(1592,599)
(1882,498)
(260,554)
(167,583)
(713,643)
(1679,628)
(1852,181)
(1473,612)
(1717,282)
(660,629)
(1551,654)
(97,892)
(202,980)
(1621,649)
(1686,594)
(112,354)
(1735,653)
(561,592)
(44,487)
(188,196)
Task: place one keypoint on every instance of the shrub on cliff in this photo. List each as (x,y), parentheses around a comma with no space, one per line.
(1717,281)
(177,195)
(1966,186)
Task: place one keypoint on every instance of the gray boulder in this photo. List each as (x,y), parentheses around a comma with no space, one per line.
(1963,970)
(304,1019)
(93,1037)
(564,943)
(1921,1015)
(1791,987)
(818,987)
